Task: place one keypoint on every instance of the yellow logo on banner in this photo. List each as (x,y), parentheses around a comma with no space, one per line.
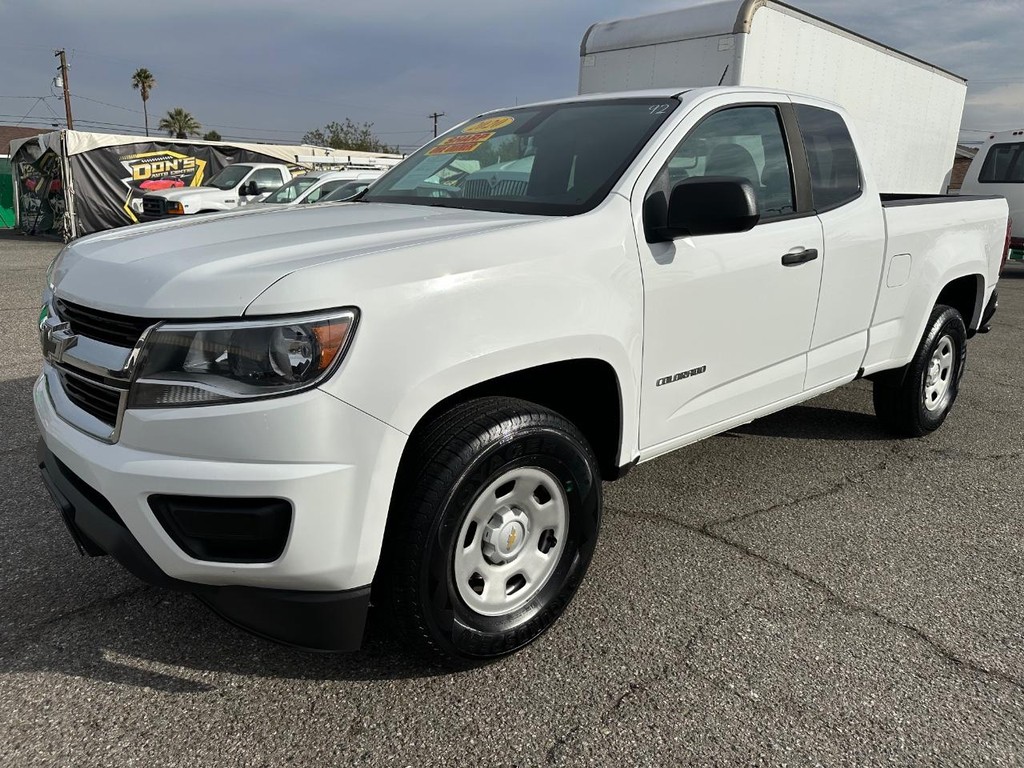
(149,165)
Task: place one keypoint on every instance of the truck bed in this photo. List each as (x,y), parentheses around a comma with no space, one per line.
(928,241)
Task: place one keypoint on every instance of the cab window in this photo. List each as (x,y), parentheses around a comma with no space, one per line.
(1004,164)
(742,142)
(267,178)
(831,157)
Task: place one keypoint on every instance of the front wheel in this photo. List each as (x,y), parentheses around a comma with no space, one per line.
(917,399)
(491,531)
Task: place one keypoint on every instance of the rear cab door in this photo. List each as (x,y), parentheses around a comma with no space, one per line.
(847,203)
(727,325)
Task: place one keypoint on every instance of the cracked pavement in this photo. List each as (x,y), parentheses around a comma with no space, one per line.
(802,590)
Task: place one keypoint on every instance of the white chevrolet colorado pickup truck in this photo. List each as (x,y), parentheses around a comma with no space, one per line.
(417,395)
(235,186)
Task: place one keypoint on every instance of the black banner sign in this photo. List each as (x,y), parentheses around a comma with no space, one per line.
(109,182)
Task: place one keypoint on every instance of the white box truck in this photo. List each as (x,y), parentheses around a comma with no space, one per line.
(907,110)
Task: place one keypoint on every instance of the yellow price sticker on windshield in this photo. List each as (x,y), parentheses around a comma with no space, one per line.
(467,142)
(490,124)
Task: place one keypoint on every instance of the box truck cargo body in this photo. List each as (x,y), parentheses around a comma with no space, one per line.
(907,111)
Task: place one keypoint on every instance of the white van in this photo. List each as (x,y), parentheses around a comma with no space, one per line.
(998,169)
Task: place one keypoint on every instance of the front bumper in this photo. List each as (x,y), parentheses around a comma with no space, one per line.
(332,463)
(323,621)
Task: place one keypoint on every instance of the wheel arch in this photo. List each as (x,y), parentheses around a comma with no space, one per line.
(586,391)
(966,295)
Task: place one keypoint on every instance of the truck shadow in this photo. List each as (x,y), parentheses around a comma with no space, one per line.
(811,422)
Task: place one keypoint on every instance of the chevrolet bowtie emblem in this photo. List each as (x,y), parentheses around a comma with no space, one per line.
(513,535)
(57,339)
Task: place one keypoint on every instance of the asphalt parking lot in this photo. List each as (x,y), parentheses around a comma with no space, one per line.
(803,590)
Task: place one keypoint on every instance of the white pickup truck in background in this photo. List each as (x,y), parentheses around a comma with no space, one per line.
(314,186)
(419,393)
(998,169)
(235,186)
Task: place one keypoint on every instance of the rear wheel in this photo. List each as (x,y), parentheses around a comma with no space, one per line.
(916,400)
(492,529)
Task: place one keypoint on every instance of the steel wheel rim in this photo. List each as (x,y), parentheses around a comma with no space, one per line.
(938,377)
(510,541)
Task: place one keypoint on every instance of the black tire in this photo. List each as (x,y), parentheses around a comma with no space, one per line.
(450,464)
(904,403)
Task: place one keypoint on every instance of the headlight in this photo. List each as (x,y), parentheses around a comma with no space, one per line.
(44,309)
(50,270)
(193,364)
(175,208)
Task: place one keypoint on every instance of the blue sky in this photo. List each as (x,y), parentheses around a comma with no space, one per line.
(274,70)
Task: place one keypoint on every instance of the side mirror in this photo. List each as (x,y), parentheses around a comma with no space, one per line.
(708,205)
(248,188)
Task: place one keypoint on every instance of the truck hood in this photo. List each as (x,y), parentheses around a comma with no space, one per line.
(206,267)
(181,193)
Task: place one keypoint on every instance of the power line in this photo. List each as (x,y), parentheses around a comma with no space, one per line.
(107,104)
(36,104)
(399,133)
(48,121)
(46,103)
(210,125)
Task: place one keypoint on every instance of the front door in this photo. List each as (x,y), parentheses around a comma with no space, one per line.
(727,321)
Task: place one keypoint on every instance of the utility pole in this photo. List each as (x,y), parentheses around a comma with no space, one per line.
(64,82)
(434,117)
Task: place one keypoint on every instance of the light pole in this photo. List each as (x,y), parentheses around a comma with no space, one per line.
(64,84)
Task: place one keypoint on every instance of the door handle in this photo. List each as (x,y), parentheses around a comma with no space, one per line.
(800,257)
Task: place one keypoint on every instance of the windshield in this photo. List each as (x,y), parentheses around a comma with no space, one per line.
(291,191)
(347,190)
(554,160)
(229,177)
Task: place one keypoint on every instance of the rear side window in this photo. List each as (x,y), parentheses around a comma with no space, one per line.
(1004,164)
(831,157)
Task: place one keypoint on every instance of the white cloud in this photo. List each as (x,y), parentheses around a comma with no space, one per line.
(996,108)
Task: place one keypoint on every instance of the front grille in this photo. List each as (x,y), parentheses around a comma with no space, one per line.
(499,188)
(93,398)
(119,330)
(152,206)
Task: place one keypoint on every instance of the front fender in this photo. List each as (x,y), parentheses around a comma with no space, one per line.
(440,317)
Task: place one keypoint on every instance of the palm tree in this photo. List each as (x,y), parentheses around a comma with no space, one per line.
(180,124)
(144,82)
